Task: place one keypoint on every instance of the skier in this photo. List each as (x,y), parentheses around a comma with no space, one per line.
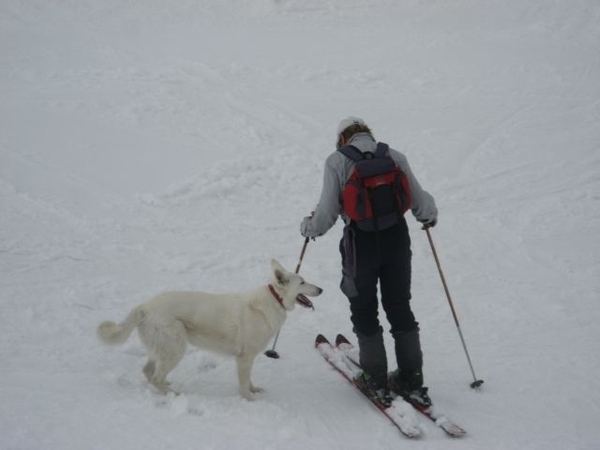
(382,256)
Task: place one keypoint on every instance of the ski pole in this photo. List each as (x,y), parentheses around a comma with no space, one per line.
(476,382)
(272,353)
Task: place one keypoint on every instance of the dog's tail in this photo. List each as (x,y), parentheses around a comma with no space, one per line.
(113,334)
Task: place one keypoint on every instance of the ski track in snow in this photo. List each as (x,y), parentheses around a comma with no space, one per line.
(147,146)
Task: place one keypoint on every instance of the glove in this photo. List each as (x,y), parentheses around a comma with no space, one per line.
(428,223)
(305,227)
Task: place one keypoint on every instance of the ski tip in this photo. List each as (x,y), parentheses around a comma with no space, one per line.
(341,339)
(320,340)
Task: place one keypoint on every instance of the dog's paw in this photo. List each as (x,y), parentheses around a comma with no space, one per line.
(248,396)
(165,388)
(251,393)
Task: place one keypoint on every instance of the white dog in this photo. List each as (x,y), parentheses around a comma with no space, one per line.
(235,324)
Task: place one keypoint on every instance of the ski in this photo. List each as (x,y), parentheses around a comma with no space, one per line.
(430,412)
(339,361)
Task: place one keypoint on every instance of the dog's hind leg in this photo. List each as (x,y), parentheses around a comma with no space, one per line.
(244,366)
(162,368)
(166,348)
(149,369)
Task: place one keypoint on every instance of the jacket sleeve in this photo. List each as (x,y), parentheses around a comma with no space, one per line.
(329,207)
(423,205)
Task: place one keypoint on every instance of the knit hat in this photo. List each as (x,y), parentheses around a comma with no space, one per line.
(348,122)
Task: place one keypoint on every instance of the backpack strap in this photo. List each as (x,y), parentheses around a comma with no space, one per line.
(351,152)
(356,155)
(382,150)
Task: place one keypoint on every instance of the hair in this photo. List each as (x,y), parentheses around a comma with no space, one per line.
(352,130)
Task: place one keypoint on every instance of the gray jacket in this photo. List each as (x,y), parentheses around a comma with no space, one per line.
(338,169)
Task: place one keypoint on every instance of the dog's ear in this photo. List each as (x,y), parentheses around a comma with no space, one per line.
(279,272)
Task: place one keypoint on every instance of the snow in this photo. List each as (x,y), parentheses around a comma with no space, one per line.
(153,145)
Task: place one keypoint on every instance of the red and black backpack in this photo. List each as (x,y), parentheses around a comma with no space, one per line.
(377,193)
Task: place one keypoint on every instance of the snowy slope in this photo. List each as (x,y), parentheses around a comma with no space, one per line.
(150,145)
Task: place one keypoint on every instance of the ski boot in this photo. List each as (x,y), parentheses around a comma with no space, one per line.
(374,388)
(408,383)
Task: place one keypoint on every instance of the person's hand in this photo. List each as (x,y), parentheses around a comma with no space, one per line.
(305,227)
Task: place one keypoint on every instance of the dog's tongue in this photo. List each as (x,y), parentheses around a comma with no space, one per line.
(304,301)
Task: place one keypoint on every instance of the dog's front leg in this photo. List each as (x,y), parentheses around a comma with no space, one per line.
(244,366)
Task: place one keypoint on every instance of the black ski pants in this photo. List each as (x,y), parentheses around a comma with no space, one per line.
(380,257)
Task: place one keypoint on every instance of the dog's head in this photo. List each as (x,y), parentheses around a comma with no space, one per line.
(293,288)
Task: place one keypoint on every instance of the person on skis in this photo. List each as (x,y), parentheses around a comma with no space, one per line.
(377,254)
